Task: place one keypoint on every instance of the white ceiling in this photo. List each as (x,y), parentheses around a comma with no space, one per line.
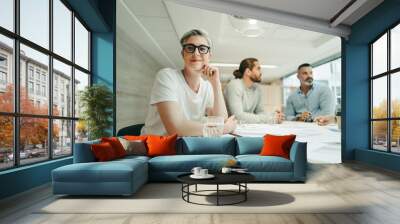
(319,9)
(158,25)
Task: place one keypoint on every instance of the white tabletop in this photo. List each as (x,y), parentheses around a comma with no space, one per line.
(323,142)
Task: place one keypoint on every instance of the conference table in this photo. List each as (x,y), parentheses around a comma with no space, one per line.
(323,142)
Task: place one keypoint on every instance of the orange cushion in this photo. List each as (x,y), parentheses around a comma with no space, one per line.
(103,151)
(277,145)
(161,145)
(135,137)
(116,145)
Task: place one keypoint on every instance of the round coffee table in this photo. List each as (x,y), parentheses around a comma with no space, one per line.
(238,179)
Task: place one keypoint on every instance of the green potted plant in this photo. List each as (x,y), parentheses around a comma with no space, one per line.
(96,102)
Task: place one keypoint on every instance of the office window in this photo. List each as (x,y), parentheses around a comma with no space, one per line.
(7,14)
(62,74)
(395,47)
(34,145)
(62,140)
(6,142)
(62,31)
(385,96)
(81,81)
(35,21)
(6,73)
(81,45)
(45,131)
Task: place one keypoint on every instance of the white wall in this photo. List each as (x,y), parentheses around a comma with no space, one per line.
(272,96)
(135,74)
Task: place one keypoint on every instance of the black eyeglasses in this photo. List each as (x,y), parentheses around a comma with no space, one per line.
(191,48)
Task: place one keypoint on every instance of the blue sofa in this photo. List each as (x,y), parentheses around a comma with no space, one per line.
(125,176)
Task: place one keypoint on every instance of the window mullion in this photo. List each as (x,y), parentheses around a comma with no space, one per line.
(73,82)
(16,84)
(50,81)
(389,104)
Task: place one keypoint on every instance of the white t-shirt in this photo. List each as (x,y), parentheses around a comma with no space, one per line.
(170,85)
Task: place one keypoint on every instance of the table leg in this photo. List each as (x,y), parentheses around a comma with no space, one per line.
(245,191)
(196,188)
(217,194)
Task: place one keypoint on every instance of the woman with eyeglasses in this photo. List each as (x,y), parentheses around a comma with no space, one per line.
(180,99)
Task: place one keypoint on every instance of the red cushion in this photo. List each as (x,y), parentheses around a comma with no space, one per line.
(277,145)
(161,145)
(116,145)
(103,151)
(135,137)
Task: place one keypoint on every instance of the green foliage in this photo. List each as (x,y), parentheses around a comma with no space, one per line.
(96,102)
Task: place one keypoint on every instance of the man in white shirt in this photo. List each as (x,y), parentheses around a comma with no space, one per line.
(180,99)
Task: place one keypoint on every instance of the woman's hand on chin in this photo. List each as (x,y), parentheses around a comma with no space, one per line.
(211,74)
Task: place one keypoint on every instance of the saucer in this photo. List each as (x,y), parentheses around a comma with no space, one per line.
(208,176)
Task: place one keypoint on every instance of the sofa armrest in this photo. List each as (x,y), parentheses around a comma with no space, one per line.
(298,155)
(83,152)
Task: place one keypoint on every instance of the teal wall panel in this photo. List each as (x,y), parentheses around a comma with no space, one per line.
(356,82)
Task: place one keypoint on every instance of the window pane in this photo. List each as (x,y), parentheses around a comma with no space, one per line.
(62,29)
(35,21)
(395,138)
(81,81)
(379,135)
(62,136)
(379,55)
(379,98)
(6,142)
(395,94)
(33,140)
(6,74)
(81,131)
(7,14)
(62,89)
(395,47)
(34,82)
(81,45)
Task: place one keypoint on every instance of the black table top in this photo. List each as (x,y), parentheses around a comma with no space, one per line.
(220,178)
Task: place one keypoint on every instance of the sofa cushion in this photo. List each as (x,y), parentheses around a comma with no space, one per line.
(206,145)
(116,145)
(277,145)
(257,163)
(112,171)
(134,147)
(161,145)
(185,163)
(103,152)
(136,137)
(249,145)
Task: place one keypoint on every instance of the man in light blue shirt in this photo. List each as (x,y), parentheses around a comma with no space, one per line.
(311,102)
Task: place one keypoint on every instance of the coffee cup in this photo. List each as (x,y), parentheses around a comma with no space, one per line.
(196,171)
(203,172)
(226,170)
